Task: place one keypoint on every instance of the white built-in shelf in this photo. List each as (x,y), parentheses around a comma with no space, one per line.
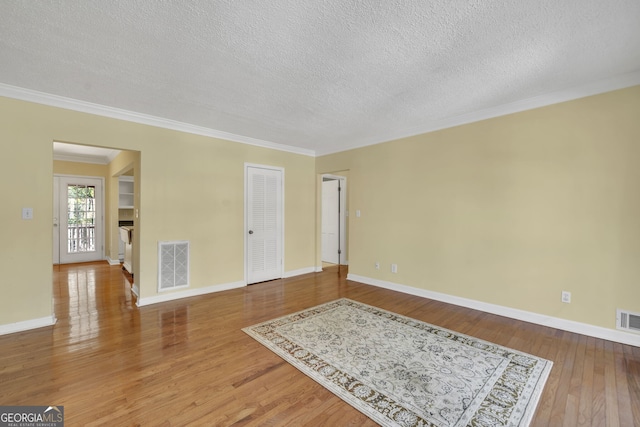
(125,192)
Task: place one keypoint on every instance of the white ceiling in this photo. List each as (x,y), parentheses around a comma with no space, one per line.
(315,76)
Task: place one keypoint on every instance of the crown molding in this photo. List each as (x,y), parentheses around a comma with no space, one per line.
(43,98)
(594,88)
(83,153)
(96,160)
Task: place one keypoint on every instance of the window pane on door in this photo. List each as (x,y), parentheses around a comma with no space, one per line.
(81,217)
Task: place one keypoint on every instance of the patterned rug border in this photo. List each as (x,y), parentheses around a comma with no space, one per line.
(357,403)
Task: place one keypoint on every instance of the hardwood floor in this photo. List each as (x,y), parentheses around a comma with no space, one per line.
(188,363)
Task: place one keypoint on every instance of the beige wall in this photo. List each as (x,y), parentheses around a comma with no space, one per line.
(509,211)
(26,180)
(125,162)
(190,187)
(81,169)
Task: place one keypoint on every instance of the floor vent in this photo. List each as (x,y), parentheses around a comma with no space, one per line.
(628,321)
(173,265)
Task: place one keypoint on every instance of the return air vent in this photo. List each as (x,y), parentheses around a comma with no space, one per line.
(173,265)
(628,321)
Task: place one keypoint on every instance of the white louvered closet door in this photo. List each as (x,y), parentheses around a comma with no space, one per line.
(264,224)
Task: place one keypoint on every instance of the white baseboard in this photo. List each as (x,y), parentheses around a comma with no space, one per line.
(208,290)
(513,313)
(27,325)
(188,293)
(136,290)
(113,262)
(319,268)
(299,272)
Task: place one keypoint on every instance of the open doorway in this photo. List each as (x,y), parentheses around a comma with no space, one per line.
(90,198)
(334,223)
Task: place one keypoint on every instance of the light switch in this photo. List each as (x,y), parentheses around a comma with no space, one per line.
(27,213)
(358,213)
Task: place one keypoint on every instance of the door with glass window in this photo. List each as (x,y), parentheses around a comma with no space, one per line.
(78,217)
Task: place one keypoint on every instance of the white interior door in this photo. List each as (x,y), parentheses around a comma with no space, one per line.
(264,224)
(331,221)
(334,219)
(80,219)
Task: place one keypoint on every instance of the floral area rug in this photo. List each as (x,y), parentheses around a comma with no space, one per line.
(403,372)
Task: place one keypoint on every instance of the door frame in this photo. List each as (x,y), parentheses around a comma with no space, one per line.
(57,228)
(342,259)
(245,237)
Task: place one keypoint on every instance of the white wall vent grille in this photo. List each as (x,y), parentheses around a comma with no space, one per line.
(628,321)
(173,265)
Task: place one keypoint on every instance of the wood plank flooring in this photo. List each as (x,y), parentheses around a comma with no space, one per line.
(188,363)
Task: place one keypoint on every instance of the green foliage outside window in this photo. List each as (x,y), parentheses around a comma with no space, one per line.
(81,206)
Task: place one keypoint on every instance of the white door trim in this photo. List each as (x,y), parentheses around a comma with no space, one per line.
(100,252)
(56,220)
(245,238)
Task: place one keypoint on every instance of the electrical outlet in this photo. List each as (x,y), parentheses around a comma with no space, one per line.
(394,268)
(377,265)
(566,297)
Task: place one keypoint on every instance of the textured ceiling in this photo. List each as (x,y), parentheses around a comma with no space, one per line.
(319,75)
